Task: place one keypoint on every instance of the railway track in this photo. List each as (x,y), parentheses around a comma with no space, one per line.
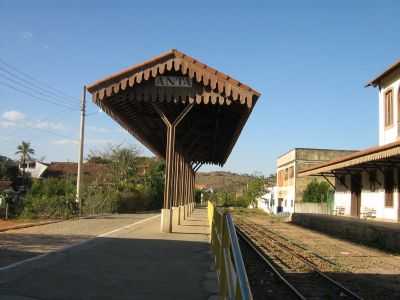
(303,272)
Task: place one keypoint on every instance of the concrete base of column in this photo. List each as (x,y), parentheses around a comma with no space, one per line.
(181,214)
(175,215)
(166,225)
(187,210)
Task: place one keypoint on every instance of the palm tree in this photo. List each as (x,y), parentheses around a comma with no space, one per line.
(25,151)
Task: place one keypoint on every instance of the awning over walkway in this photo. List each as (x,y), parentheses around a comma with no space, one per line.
(368,159)
(182,110)
(172,81)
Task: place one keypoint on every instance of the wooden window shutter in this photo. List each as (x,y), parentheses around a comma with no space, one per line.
(389,108)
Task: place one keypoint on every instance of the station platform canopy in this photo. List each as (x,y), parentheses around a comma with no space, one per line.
(184,111)
(378,157)
(167,84)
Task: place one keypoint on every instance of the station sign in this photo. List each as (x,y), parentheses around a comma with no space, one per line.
(173,81)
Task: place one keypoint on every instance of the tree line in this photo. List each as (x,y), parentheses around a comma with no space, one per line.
(126,182)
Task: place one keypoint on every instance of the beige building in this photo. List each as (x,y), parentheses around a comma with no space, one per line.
(290,186)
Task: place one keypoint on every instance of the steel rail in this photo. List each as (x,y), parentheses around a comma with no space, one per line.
(250,243)
(315,269)
(298,245)
(304,260)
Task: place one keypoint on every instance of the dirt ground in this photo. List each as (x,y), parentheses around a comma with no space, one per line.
(363,266)
(9,224)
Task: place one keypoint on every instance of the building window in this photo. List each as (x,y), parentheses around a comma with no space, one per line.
(389,186)
(389,108)
(291,172)
(280,178)
(398,105)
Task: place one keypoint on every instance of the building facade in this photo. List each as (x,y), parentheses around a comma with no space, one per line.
(290,186)
(34,168)
(367,183)
(389,107)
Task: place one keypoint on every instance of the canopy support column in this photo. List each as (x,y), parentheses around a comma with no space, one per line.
(171,177)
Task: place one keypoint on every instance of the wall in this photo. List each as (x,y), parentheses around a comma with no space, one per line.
(267,202)
(286,158)
(377,234)
(291,191)
(306,158)
(286,189)
(312,208)
(342,197)
(369,199)
(390,134)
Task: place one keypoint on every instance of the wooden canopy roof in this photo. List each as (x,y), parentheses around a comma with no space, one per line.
(221,106)
(371,158)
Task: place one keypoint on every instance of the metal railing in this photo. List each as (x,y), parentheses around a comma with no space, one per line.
(231,272)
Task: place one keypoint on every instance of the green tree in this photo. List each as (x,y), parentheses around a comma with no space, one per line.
(154,182)
(25,151)
(122,161)
(8,169)
(255,188)
(317,191)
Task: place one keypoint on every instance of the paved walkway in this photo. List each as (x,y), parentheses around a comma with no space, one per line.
(134,261)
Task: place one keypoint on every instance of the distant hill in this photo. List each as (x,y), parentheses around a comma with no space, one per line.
(227,181)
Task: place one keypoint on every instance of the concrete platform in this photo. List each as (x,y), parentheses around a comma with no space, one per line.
(381,235)
(133,262)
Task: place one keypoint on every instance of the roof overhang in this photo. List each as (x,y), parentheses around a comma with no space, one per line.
(221,105)
(368,159)
(377,80)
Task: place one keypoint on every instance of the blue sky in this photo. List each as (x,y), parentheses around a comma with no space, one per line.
(309,59)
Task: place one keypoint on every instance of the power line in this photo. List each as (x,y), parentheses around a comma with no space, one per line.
(5,74)
(49,132)
(23,86)
(35,96)
(36,82)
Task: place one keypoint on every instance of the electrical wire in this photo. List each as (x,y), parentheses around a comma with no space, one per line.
(10,86)
(33,81)
(25,87)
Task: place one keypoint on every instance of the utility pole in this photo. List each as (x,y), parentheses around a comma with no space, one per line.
(81,143)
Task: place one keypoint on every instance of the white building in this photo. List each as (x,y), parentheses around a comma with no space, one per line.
(368,181)
(267,201)
(34,168)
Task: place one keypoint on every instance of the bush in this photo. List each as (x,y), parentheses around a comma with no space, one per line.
(50,198)
(317,191)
